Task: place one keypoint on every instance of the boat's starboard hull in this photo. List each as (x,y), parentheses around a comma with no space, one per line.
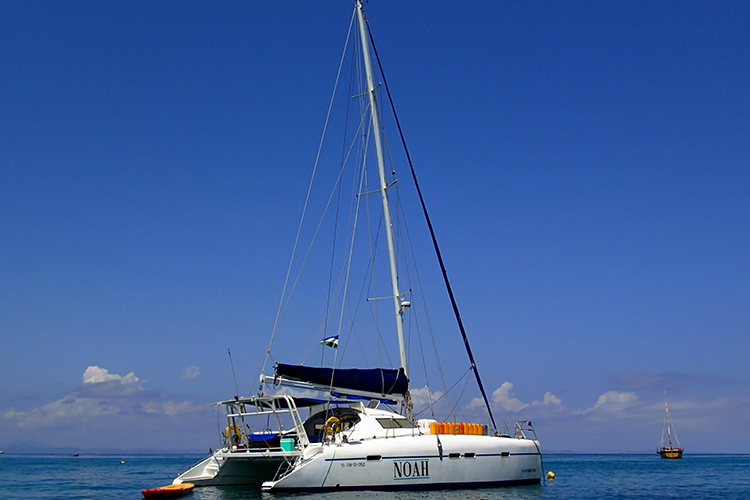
(416,464)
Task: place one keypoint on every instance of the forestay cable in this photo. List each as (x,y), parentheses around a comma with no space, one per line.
(307,199)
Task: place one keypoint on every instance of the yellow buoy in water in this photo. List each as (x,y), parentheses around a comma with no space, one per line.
(550,475)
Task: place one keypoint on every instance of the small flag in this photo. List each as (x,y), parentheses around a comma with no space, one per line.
(331,341)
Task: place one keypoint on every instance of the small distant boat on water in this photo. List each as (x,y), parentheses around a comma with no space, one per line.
(669,451)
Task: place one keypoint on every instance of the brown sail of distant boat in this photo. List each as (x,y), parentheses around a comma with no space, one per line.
(669,451)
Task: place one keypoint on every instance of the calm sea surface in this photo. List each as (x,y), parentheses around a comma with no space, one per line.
(577,477)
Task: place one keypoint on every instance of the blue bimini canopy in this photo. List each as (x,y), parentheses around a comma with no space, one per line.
(378,380)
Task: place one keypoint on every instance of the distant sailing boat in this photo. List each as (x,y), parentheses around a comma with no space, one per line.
(669,451)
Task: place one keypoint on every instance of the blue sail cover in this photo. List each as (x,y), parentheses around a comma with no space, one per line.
(377,380)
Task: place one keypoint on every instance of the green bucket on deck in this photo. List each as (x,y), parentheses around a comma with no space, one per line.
(287,444)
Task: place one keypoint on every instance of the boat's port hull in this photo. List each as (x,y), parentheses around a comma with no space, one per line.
(233,469)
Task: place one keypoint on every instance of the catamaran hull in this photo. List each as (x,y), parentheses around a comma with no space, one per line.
(229,469)
(408,463)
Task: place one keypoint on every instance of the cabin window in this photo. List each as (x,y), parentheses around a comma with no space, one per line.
(375,458)
(470,455)
(396,423)
(505,454)
(315,425)
(454,455)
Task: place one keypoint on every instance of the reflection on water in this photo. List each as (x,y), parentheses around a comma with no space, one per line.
(248,493)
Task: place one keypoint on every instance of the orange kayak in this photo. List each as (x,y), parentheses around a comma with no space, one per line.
(171,491)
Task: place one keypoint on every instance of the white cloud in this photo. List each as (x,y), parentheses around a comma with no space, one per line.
(501,396)
(171,408)
(191,372)
(475,403)
(421,399)
(97,375)
(612,401)
(111,410)
(295,393)
(12,413)
(103,394)
(548,400)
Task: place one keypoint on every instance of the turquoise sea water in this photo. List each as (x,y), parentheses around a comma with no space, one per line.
(698,477)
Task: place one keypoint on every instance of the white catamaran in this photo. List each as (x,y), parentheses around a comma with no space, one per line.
(351,436)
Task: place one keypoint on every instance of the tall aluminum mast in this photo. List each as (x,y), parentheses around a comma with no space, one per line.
(384,196)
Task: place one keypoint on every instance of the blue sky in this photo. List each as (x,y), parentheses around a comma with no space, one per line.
(585,164)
